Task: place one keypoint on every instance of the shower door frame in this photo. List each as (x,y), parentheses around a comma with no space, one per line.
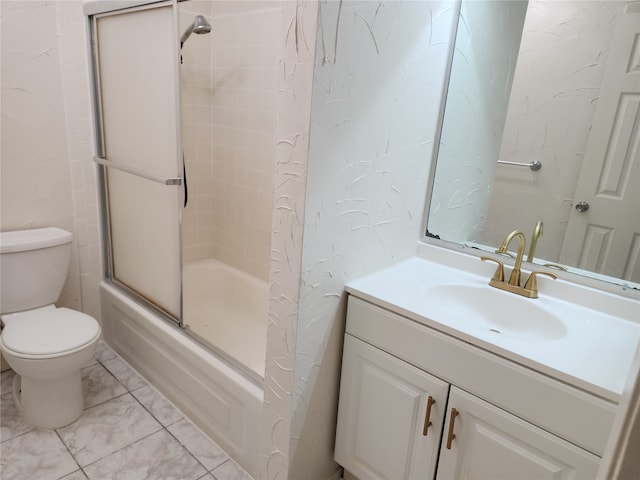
(94,11)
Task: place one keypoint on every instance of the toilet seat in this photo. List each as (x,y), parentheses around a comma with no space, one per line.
(48,332)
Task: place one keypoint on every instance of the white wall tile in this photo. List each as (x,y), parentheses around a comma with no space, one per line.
(230,144)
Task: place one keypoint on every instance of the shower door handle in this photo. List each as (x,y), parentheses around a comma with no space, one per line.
(137,172)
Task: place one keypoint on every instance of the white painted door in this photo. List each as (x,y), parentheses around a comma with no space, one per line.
(605,238)
(385,405)
(490,443)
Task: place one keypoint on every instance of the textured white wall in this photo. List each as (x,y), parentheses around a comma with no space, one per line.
(376,96)
(487,44)
(554,97)
(297,37)
(45,132)
(77,100)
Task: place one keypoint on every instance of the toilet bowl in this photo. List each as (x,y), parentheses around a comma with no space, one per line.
(46,346)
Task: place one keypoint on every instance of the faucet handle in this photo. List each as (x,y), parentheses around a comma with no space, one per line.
(532,283)
(499,275)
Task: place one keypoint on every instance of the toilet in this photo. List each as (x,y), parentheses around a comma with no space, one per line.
(46,346)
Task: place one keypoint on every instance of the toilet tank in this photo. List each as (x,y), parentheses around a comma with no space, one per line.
(33,267)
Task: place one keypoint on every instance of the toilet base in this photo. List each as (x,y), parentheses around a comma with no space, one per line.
(49,404)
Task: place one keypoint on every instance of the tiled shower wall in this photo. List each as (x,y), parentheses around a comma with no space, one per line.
(197,117)
(229,132)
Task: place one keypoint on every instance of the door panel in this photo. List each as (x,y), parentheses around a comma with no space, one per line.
(492,444)
(606,237)
(137,75)
(381,420)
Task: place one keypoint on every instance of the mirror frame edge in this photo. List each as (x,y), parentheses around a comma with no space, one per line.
(440,121)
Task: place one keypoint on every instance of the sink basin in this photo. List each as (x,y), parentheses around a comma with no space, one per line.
(494,311)
(577,334)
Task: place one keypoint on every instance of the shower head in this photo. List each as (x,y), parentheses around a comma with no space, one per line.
(199,26)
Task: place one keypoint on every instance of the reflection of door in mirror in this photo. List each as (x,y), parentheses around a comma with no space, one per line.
(564,52)
(606,237)
(478,196)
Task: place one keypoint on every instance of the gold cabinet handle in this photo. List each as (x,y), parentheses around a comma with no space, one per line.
(427,421)
(452,421)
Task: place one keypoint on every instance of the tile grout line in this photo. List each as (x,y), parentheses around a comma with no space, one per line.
(187,450)
(162,425)
(166,428)
(211,471)
(20,434)
(70,453)
(120,449)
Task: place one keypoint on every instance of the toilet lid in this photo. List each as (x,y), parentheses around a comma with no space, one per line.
(49,331)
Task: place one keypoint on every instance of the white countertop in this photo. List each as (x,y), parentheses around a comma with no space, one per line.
(592,342)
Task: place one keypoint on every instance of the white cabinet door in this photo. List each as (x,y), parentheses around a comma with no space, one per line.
(383,410)
(492,444)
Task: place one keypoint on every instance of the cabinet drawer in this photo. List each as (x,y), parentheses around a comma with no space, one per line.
(570,413)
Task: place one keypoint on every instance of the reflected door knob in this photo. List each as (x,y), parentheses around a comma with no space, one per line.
(582,207)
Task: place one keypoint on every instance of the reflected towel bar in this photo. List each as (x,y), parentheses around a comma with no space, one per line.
(137,172)
(535,165)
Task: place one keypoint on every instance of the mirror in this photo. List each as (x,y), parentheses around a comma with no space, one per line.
(550,83)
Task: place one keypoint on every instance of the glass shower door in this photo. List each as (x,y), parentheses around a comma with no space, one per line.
(136,60)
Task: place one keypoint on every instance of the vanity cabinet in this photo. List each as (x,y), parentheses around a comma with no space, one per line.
(391,415)
(403,414)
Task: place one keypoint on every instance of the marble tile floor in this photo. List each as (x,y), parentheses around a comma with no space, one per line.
(128,431)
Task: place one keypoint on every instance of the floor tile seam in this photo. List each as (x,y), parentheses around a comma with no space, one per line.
(120,449)
(208,475)
(189,451)
(184,418)
(150,413)
(102,403)
(66,475)
(214,468)
(114,376)
(21,434)
(68,450)
(132,368)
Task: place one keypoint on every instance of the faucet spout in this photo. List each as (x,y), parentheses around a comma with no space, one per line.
(530,289)
(514,279)
(537,233)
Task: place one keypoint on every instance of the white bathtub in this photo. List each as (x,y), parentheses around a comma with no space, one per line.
(220,400)
(228,309)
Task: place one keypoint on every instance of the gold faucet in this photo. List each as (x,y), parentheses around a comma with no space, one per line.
(514,279)
(530,289)
(537,233)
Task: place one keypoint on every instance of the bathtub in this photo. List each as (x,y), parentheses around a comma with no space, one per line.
(220,399)
(227,308)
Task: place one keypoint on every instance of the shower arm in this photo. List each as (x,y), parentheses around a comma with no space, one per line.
(187,33)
